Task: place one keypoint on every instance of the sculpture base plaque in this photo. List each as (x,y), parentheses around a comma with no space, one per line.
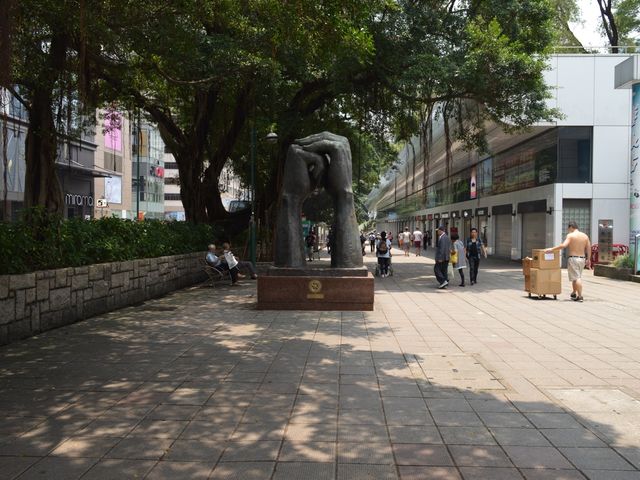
(316,289)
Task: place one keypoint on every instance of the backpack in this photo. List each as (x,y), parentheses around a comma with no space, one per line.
(383,248)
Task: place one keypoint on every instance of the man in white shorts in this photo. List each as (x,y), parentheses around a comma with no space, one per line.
(417,241)
(406,241)
(579,251)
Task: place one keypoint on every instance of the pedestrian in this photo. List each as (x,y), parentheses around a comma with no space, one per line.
(578,246)
(406,241)
(417,241)
(443,254)
(429,238)
(460,260)
(310,241)
(329,241)
(475,248)
(362,240)
(214,261)
(372,242)
(383,252)
(232,261)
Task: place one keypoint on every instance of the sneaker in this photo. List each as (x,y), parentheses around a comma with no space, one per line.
(254,277)
(241,276)
(443,284)
(461,285)
(574,295)
(580,299)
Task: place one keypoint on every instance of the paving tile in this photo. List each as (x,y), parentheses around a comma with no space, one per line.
(553,420)
(456,419)
(318,452)
(87,447)
(366,453)
(467,436)
(173,412)
(210,430)
(366,472)
(572,437)
(415,434)
(358,433)
(180,470)
(159,428)
(195,450)
(138,448)
(307,471)
(253,432)
(596,458)
(611,475)
(421,454)
(114,469)
(428,473)
(52,468)
(544,474)
(524,437)
(504,419)
(537,457)
(490,473)
(479,456)
(261,451)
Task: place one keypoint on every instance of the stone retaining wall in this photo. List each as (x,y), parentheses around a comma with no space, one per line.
(35,302)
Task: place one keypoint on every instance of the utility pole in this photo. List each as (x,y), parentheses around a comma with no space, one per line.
(252,220)
(138,142)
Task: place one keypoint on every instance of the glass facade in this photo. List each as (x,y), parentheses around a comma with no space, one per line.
(561,155)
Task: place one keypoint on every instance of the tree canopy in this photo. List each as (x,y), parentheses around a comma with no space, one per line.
(211,72)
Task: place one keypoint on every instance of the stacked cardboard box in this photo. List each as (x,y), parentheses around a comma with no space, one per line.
(545,273)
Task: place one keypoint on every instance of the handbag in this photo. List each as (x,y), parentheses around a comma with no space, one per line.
(454,256)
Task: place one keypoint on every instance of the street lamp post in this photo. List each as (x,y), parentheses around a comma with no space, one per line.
(271,137)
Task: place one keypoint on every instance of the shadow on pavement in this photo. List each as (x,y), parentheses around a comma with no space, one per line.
(200,385)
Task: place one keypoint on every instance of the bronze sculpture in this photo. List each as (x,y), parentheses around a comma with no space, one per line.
(322,160)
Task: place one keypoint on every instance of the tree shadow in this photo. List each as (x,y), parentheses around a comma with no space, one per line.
(201,385)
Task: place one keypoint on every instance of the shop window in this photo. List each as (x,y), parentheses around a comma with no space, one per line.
(574,154)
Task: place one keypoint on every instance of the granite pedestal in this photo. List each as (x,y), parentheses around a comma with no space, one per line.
(348,289)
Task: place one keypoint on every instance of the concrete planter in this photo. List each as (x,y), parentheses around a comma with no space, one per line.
(35,302)
(610,271)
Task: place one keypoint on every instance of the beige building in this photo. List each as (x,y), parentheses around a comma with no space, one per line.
(114,156)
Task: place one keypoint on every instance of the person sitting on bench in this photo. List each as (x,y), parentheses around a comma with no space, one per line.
(214,261)
(228,255)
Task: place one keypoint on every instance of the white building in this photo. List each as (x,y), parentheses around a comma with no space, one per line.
(232,192)
(522,194)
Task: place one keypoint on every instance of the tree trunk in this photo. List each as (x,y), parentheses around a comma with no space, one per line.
(42,187)
(191,191)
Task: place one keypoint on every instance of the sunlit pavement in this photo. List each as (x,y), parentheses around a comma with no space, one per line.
(477,382)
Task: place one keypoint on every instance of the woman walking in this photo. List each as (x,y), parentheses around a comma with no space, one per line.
(475,248)
(461,260)
(383,252)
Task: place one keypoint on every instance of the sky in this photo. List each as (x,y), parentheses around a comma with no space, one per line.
(587,32)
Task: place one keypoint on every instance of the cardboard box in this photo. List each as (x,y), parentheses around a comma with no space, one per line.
(527,283)
(526,265)
(546,282)
(545,261)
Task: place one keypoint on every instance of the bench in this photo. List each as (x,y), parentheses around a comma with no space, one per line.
(215,275)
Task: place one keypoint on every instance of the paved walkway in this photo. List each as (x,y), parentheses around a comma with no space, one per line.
(474,383)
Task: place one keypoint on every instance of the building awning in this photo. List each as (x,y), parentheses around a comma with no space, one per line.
(80,169)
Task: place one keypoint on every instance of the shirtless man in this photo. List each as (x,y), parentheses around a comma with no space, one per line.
(579,252)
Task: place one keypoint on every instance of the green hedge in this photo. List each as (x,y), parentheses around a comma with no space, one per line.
(44,242)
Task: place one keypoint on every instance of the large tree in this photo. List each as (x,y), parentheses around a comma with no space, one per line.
(620,22)
(208,72)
